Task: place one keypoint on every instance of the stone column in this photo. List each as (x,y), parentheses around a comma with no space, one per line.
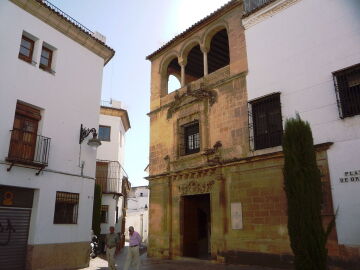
(205,51)
(182,63)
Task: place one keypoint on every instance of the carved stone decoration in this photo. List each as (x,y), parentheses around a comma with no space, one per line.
(196,187)
(199,94)
(203,93)
(213,155)
(167,160)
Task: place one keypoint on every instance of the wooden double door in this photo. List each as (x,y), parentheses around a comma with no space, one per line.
(24,133)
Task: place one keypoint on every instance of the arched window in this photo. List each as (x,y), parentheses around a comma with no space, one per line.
(173,83)
(173,74)
(218,55)
(194,68)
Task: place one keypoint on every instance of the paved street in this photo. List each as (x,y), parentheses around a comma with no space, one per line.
(152,264)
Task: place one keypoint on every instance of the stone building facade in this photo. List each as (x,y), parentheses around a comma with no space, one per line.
(216,192)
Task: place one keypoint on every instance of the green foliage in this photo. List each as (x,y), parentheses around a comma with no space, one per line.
(303,190)
(96,221)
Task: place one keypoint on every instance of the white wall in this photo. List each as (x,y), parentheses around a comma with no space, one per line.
(136,201)
(114,149)
(137,214)
(69,98)
(140,221)
(112,201)
(295,52)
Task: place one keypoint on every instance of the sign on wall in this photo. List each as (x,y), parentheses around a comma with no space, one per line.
(16,197)
(350,176)
(236,216)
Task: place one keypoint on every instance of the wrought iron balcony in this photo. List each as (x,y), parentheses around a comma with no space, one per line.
(251,5)
(28,148)
(109,175)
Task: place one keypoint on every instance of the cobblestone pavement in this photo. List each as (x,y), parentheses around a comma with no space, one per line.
(153,264)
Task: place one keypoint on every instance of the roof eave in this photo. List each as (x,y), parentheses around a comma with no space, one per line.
(83,36)
(211,17)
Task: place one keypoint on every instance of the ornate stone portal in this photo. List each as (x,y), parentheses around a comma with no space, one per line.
(196,187)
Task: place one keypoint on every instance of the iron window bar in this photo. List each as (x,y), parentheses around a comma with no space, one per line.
(347,90)
(66,208)
(251,5)
(265,122)
(104,213)
(192,138)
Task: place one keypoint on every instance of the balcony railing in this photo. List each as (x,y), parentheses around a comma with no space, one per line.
(250,5)
(28,148)
(109,175)
(68,17)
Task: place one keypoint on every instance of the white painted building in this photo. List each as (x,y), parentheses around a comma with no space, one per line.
(295,48)
(50,85)
(137,214)
(110,174)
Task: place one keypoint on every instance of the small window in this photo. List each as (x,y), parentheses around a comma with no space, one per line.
(104,213)
(347,87)
(265,122)
(192,138)
(141,194)
(66,208)
(26,49)
(104,133)
(46,59)
(117,215)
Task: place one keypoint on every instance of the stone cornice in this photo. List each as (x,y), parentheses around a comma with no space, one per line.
(42,11)
(266,12)
(118,113)
(195,170)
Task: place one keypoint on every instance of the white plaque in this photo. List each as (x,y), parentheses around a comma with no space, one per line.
(236,216)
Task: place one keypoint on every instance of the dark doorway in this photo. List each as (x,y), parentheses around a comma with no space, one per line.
(196,226)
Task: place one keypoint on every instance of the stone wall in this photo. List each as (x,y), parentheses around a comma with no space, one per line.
(58,256)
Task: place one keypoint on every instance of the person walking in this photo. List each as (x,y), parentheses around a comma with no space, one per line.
(133,257)
(111,243)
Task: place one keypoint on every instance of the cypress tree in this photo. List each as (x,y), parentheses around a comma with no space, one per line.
(302,181)
(96,221)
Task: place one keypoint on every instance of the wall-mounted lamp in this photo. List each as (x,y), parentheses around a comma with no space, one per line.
(84,132)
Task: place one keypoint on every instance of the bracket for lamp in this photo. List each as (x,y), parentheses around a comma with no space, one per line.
(84,132)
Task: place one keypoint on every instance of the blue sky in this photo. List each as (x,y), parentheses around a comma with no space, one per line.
(134,29)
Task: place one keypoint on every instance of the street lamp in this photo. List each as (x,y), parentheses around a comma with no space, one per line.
(84,132)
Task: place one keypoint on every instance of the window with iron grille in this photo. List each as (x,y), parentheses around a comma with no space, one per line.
(191,138)
(104,133)
(66,208)
(104,213)
(265,122)
(347,87)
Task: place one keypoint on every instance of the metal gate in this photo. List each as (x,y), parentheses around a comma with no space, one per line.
(14,228)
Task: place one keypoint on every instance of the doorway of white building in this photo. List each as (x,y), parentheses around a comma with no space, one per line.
(15,212)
